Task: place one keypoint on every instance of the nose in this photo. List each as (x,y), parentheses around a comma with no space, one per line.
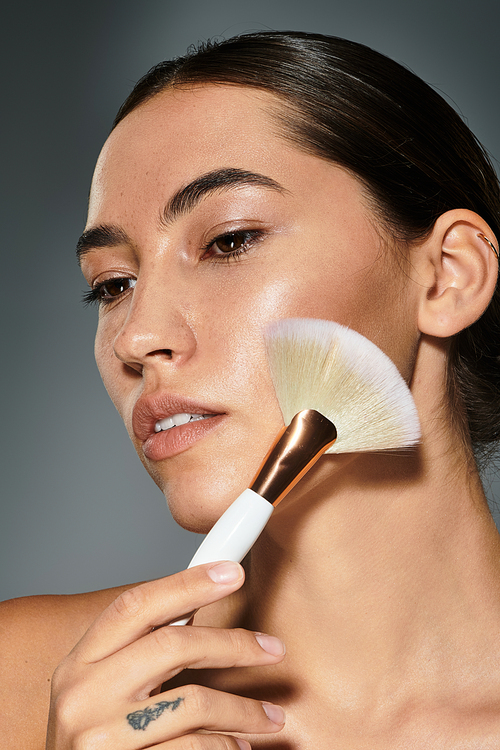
(157,328)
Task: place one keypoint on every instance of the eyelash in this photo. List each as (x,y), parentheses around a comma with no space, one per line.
(94,296)
(248,236)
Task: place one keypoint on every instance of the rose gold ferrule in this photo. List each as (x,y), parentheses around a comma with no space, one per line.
(295,451)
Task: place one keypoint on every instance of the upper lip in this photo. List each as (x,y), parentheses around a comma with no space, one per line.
(149,409)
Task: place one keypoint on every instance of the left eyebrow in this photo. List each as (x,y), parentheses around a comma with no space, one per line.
(105,235)
(182,202)
(185,199)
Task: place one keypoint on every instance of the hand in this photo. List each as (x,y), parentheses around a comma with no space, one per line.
(102,691)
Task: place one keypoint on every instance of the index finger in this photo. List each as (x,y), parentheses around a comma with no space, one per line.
(140,609)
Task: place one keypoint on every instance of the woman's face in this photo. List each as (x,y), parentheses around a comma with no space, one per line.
(204,225)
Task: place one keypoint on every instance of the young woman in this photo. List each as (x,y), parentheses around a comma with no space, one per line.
(285,175)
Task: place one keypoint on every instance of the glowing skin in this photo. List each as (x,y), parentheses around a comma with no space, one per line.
(385,569)
(313,250)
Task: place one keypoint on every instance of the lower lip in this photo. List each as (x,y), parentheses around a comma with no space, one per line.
(168,443)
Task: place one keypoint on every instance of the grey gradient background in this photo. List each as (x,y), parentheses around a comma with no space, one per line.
(78,512)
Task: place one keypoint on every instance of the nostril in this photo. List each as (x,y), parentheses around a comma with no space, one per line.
(135,366)
(166,353)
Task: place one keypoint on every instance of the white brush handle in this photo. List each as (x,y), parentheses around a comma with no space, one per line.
(236,530)
(234,533)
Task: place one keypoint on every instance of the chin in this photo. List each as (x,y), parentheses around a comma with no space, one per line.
(190,521)
(195,513)
(197,504)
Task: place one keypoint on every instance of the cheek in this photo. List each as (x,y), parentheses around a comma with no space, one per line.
(368,294)
(108,365)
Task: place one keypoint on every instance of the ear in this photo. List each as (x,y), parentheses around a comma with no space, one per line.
(458,270)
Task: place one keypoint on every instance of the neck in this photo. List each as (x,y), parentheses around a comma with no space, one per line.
(375,585)
(376,566)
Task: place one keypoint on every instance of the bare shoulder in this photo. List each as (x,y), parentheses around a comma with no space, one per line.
(36,633)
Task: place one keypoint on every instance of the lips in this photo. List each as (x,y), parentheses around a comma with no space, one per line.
(149,410)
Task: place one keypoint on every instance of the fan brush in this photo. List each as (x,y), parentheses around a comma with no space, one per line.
(338,393)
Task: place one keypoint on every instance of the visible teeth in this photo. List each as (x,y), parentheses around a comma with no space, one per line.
(177,419)
(164,424)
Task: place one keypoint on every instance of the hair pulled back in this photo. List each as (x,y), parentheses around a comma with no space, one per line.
(348,104)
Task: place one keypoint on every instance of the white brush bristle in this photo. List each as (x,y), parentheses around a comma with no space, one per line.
(321,365)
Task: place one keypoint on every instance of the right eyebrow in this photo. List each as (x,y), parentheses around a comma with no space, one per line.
(105,235)
(220,180)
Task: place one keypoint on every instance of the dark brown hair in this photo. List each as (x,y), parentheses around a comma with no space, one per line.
(346,103)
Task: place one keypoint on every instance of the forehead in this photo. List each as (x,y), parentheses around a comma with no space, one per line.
(180,134)
(190,131)
(212,112)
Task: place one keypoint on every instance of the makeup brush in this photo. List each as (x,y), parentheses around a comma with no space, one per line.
(338,393)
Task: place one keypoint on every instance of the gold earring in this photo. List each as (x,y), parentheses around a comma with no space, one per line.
(490,243)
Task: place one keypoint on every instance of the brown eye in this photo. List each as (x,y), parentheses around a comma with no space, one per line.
(108,291)
(230,243)
(113,288)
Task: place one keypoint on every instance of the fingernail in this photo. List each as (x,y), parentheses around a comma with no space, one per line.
(270,644)
(243,744)
(274,713)
(226,572)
